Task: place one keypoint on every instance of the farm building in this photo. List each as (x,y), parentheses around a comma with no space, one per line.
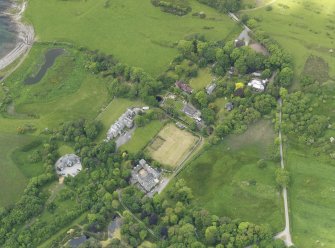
(210,88)
(192,112)
(68,165)
(125,121)
(184,87)
(144,176)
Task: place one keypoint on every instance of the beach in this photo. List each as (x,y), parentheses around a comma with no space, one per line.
(24,33)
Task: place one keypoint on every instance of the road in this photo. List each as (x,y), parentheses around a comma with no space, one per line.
(285,235)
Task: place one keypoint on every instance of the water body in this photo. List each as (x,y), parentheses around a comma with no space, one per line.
(8,35)
(50,58)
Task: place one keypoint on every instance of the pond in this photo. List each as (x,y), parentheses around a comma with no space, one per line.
(50,58)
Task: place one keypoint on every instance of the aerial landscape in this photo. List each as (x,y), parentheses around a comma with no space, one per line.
(167,123)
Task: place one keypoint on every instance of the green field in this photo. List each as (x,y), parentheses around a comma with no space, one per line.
(135,32)
(203,79)
(66,92)
(12,179)
(302,28)
(311,198)
(142,136)
(226,180)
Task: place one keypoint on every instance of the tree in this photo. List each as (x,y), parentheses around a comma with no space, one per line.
(201,98)
(285,77)
(186,48)
(264,103)
(211,235)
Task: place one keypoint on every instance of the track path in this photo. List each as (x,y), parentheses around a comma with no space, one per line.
(285,235)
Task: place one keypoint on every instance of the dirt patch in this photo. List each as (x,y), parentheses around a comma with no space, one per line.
(171,145)
(316,68)
(259,49)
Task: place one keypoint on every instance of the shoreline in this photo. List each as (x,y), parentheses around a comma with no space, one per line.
(25,35)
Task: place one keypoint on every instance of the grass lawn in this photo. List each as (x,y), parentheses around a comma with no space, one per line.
(142,136)
(136,32)
(221,104)
(171,145)
(113,111)
(65,149)
(311,198)
(226,180)
(203,79)
(12,179)
(302,28)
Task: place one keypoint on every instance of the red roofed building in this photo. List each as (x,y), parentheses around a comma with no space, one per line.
(184,87)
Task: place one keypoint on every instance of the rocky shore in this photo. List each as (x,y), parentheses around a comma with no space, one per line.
(26,35)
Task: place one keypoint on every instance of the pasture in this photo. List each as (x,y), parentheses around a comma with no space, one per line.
(311,198)
(136,32)
(226,180)
(171,145)
(306,28)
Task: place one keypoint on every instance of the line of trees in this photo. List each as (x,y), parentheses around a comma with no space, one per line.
(176,7)
(223,5)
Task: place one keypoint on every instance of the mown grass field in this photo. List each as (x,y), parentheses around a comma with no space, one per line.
(302,28)
(142,136)
(12,179)
(171,145)
(135,32)
(226,180)
(311,198)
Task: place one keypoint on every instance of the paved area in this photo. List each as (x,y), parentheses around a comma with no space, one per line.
(124,138)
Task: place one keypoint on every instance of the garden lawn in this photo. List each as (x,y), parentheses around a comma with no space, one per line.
(142,136)
(203,79)
(226,180)
(136,32)
(12,180)
(311,199)
(302,28)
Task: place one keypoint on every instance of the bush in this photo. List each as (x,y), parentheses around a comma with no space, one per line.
(261,163)
(268,8)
